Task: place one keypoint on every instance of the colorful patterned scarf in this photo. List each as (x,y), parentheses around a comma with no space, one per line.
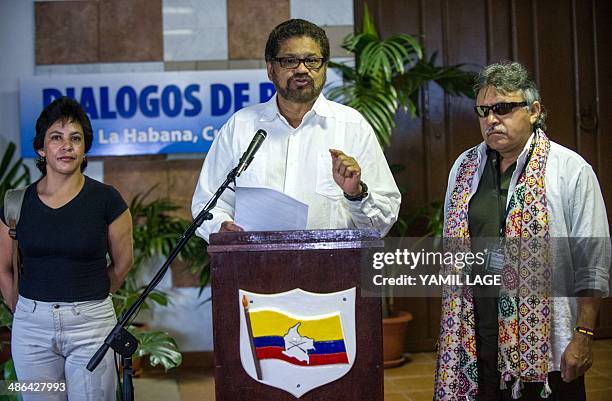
(524,304)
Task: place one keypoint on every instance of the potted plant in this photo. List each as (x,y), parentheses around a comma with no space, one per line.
(386,76)
(156,228)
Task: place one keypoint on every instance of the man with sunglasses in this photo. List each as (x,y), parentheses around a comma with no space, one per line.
(317,151)
(536,209)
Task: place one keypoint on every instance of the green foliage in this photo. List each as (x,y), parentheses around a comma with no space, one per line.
(6,316)
(156,231)
(125,296)
(159,346)
(13,174)
(9,374)
(389,74)
(427,221)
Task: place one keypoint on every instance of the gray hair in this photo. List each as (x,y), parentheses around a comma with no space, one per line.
(511,77)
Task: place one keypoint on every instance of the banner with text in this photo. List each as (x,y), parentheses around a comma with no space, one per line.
(147,113)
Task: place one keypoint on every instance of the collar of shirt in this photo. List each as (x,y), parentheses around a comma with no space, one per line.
(520,163)
(320,107)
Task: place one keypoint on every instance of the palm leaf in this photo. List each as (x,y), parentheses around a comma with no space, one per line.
(452,79)
(376,101)
(348,73)
(156,231)
(12,174)
(6,159)
(368,22)
(388,56)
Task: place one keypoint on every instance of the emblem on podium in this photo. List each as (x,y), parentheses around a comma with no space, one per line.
(297,340)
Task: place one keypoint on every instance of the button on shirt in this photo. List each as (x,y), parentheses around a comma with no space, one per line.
(576,209)
(488,204)
(297,161)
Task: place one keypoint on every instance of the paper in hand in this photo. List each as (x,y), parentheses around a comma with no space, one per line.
(265,209)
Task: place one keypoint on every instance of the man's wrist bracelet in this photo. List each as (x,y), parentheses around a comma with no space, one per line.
(584,330)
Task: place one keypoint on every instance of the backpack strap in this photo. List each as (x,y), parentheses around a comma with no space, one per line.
(13,199)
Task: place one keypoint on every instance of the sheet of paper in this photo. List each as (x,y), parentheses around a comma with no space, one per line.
(265,209)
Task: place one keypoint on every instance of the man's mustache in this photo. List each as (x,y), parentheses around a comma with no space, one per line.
(495,128)
(301,76)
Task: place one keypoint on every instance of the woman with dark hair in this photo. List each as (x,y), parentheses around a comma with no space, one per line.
(69,223)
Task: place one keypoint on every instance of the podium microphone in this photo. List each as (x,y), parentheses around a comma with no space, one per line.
(247,156)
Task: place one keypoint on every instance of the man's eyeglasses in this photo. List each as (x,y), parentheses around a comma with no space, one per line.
(499,109)
(312,63)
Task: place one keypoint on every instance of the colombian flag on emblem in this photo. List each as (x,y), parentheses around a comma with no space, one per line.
(300,341)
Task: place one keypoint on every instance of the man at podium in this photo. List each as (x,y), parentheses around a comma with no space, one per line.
(317,151)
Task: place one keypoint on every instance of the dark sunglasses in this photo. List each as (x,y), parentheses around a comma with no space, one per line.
(312,63)
(499,109)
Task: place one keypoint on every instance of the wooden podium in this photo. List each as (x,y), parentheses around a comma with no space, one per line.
(320,261)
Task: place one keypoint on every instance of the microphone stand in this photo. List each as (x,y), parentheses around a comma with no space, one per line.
(119,339)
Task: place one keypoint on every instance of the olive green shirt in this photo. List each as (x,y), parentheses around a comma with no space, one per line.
(487,208)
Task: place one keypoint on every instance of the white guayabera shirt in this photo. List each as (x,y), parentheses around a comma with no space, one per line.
(576,209)
(297,161)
